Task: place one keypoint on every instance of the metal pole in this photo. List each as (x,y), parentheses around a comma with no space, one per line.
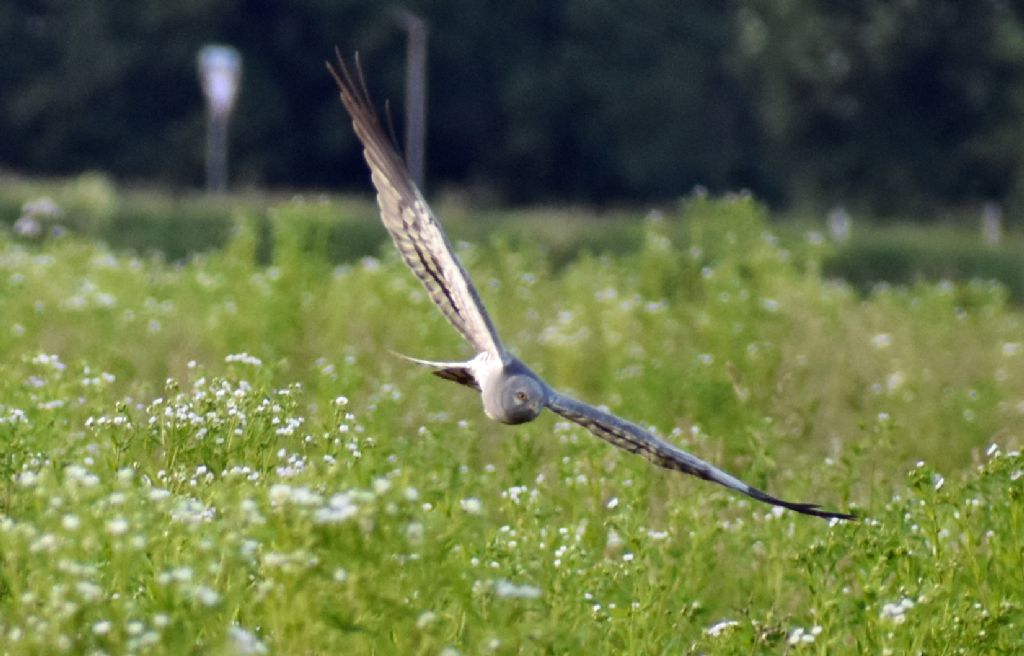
(216,153)
(415,93)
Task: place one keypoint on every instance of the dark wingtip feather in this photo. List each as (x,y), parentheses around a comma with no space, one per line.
(351,83)
(802,508)
(379,146)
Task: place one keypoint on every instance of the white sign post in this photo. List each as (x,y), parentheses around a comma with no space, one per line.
(220,71)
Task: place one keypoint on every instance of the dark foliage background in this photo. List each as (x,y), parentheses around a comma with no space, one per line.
(888,106)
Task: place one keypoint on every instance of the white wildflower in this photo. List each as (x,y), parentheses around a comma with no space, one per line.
(88,590)
(881,341)
(507,589)
(207,596)
(895,381)
(245,643)
(28,478)
(81,476)
(514,493)
(191,511)
(339,508)
(896,612)
(51,361)
(244,358)
(47,542)
(414,532)
(801,636)
(117,526)
(303,496)
(381,485)
(280,493)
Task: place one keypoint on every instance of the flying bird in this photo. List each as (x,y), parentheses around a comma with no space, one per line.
(510,391)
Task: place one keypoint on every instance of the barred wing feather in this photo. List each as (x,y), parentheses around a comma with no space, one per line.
(417,234)
(632,438)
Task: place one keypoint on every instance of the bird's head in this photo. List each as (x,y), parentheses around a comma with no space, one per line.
(520,398)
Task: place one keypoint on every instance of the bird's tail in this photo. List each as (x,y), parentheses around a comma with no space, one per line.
(459,372)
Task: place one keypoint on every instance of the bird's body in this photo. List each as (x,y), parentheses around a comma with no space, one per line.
(511,393)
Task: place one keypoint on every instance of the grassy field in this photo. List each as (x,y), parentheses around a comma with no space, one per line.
(222,456)
(175,224)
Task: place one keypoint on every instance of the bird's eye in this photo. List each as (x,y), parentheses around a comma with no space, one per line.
(521,396)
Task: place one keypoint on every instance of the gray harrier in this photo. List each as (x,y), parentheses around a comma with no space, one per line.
(511,393)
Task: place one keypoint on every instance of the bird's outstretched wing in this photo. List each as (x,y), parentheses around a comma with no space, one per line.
(634,439)
(417,234)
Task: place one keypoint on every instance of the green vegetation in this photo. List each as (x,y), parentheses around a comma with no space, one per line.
(343,230)
(221,456)
(907,253)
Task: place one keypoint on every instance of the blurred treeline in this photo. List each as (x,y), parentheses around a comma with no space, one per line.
(887,106)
